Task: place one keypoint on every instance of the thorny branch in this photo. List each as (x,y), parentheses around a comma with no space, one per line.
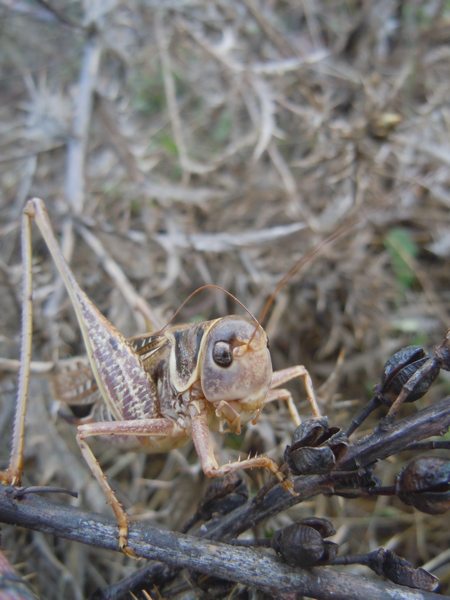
(232,563)
(428,422)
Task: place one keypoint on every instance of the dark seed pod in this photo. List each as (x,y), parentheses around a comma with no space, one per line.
(311,432)
(338,443)
(400,368)
(299,545)
(400,571)
(330,551)
(399,360)
(425,484)
(315,447)
(421,385)
(310,461)
(302,544)
(323,526)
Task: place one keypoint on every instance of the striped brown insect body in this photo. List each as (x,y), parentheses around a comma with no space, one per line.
(156,391)
(233,377)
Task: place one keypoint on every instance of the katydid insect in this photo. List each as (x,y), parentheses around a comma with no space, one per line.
(161,389)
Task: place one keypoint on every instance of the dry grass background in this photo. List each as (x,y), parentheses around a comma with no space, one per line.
(184,142)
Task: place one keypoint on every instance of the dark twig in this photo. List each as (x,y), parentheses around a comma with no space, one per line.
(429,445)
(12,586)
(428,422)
(367,410)
(153,573)
(20,492)
(200,555)
(431,421)
(232,563)
(385,562)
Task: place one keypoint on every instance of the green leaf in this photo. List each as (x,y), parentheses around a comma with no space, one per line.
(401,248)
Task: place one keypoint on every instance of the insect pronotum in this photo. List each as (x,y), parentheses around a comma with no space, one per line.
(161,389)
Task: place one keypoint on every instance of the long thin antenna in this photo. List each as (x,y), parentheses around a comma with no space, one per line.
(206,287)
(306,259)
(303,261)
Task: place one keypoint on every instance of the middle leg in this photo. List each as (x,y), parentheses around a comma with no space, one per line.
(281,377)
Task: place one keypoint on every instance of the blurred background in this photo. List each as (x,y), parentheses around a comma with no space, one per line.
(186,142)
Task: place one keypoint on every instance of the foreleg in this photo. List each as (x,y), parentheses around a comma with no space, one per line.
(203,446)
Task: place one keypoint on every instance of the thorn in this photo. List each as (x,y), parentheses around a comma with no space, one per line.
(19,492)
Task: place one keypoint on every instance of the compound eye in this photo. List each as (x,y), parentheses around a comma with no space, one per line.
(222,354)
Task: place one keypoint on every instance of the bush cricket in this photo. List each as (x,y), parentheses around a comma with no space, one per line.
(156,390)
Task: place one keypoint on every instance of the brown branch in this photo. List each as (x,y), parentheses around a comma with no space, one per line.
(243,565)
